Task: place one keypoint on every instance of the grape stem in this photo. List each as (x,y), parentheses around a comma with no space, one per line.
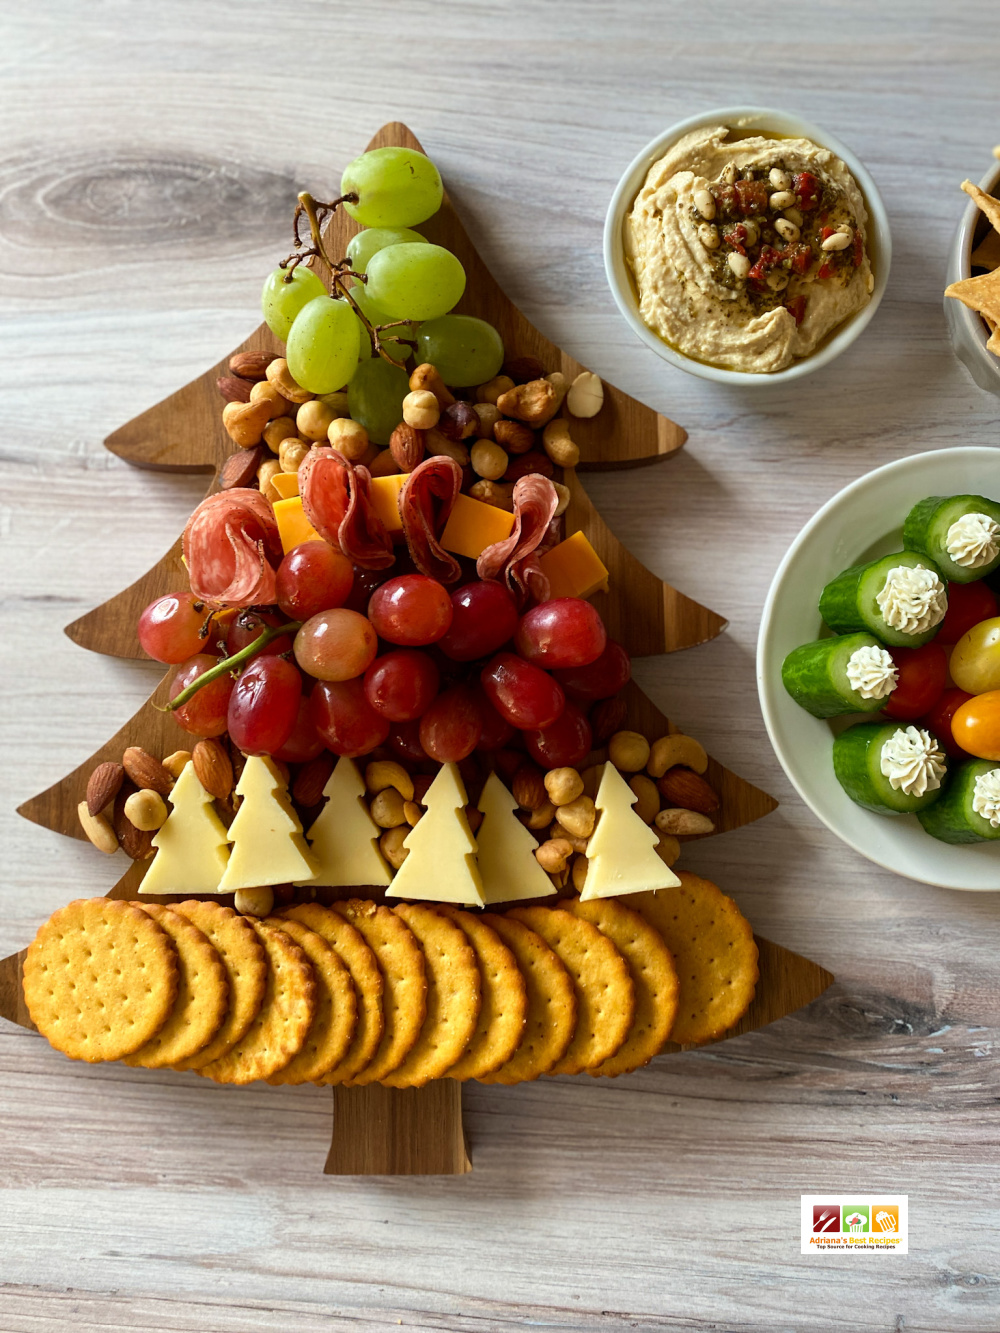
(340,270)
(229,663)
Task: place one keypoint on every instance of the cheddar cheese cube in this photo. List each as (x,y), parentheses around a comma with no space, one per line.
(286,484)
(385,499)
(573,568)
(473,526)
(293,526)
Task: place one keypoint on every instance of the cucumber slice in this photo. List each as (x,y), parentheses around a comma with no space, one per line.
(815,675)
(926,530)
(848,602)
(857,755)
(952,819)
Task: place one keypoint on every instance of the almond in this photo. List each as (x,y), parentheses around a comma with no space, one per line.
(145,771)
(680,787)
(240,469)
(312,777)
(250,365)
(529,788)
(213,768)
(104,784)
(133,842)
(233,389)
(533,461)
(407,445)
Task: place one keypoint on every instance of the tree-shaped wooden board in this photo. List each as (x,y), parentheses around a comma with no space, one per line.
(184,433)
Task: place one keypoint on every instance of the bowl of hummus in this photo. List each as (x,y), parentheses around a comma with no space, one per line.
(747,246)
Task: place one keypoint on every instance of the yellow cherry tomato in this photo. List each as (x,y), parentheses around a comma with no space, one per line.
(975,663)
(976,725)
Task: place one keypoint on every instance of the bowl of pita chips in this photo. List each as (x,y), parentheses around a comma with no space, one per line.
(972,297)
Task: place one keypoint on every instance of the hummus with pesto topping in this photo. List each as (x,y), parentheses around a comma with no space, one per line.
(747,254)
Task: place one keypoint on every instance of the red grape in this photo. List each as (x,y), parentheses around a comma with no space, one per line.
(484,618)
(249,625)
(169,628)
(365,583)
(345,719)
(452,725)
(264,705)
(497,731)
(305,742)
(411,610)
(600,679)
(565,744)
(335,645)
(400,685)
(313,577)
(566,632)
(524,695)
(404,739)
(204,714)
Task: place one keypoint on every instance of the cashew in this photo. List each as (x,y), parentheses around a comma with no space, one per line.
(563,785)
(278,404)
(99,830)
(279,375)
(628,751)
(427,377)
(391,843)
(388,809)
(174,763)
(558,444)
(647,806)
(683,822)
(669,751)
(668,849)
(382,773)
(245,422)
(146,809)
(578,817)
(553,855)
(586,393)
(254,902)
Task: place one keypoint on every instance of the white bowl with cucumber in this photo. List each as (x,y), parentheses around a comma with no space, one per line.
(884,785)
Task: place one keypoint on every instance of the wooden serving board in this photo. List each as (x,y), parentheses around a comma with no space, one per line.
(184,433)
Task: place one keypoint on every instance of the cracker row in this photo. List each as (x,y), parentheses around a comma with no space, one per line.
(336,1014)
(504,999)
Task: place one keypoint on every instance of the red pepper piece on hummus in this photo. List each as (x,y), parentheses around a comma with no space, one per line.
(807,190)
(799,257)
(796,307)
(859,249)
(751,197)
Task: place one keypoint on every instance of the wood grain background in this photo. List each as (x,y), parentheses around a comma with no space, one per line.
(147,157)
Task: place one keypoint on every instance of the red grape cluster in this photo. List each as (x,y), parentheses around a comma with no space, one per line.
(432,674)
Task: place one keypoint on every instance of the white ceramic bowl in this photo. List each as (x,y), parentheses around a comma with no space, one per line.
(765,121)
(862,522)
(968,332)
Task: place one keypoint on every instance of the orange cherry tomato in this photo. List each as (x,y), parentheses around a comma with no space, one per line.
(976,725)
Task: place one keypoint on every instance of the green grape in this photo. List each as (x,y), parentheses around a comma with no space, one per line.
(396,187)
(375,397)
(397,350)
(322,349)
(369,242)
(281,301)
(465,350)
(415,281)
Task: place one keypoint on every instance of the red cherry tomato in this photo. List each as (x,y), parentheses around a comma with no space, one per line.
(976,725)
(968,604)
(938,721)
(922,675)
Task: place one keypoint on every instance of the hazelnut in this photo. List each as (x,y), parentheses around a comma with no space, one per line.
(292,454)
(279,375)
(490,392)
(391,843)
(146,809)
(313,419)
(538,819)
(458,421)
(421,409)
(263,392)
(515,436)
(348,437)
(563,785)
(281,428)
(268,469)
(628,751)
(553,855)
(556,830)
(578,817)
(254,902)
(489,415)
(337,403)
(488,460)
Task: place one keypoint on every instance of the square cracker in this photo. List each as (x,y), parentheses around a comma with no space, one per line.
(505,998)
(714,951)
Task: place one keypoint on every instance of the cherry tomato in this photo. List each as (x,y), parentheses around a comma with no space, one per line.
(938,721)
(976,725)
(922,675)
(968,604)
(975,663)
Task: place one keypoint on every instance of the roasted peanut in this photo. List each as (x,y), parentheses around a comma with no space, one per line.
(146,809)
(254,902)
(348,437)
(683,822)
(98,829)
(488,460)
(558,445)
(279,375)
(553,855)
(313,419)
(413,812)
(563,785)
(578,817)
(391,843)
(668,849)
(648,804)
(628,751)
(383,773)
(421,409)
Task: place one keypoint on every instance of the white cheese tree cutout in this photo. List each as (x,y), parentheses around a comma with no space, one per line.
(344,837)
(621,853)
(506,850)
(268,845)
(441,865)
(192,846)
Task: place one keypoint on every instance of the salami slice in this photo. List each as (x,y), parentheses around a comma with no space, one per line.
(232,548)
(425,504)
(514,560)
(336,498)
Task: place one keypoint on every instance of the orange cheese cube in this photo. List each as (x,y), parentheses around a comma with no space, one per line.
(573,568)
(293,526)
(473,526)
(385,498)
(286,484)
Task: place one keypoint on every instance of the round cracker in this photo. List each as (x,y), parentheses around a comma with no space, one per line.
(336,1016)
(278,1032)
(551,1018)
(100,979)
(245,962)
(714,951)
(349,944)
(404,999)
(454,997)
(605,995)
(653,975)
(202,995)
(505,998)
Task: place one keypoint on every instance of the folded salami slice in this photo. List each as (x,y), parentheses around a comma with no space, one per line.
(514,561)
(336,498)
(232,548)
(425,504)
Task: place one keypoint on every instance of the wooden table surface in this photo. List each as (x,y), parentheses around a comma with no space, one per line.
(148,155)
